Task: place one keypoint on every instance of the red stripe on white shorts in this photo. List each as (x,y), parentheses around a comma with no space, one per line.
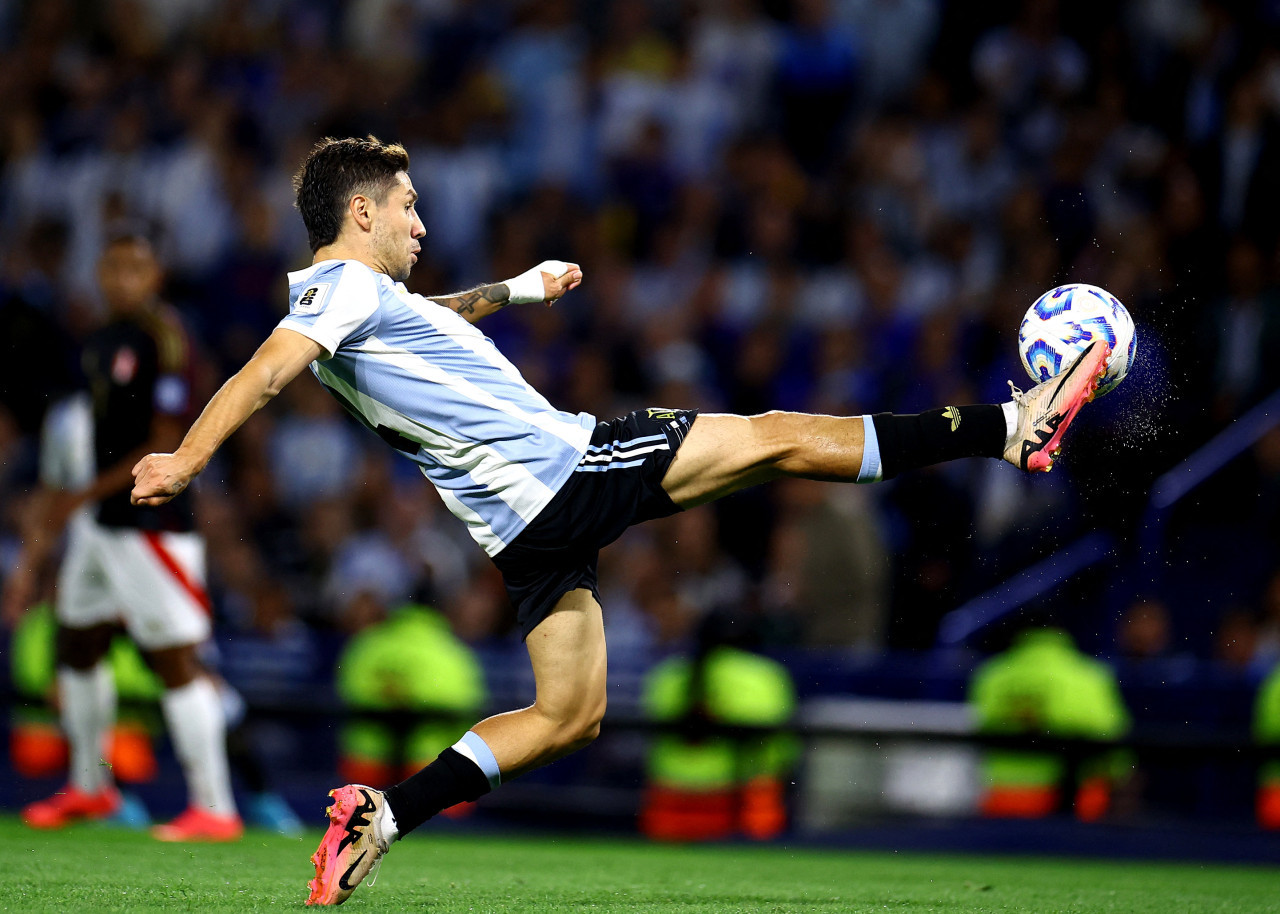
(194,590)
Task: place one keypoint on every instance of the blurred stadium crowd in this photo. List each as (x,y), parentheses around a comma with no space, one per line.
(825,205)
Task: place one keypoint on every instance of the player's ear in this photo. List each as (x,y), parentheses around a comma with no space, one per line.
(361,209)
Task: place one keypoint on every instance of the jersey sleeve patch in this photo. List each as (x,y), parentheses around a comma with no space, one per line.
(312,299)
(332,311)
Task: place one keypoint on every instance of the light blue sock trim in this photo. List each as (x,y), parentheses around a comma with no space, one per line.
(870,471)
(474,748)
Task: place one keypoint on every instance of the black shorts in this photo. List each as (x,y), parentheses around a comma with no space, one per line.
(617,483)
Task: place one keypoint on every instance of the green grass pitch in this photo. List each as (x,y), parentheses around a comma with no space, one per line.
(93,868)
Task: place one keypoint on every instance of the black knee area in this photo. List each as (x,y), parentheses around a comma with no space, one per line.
(451,779)
(908,442)
(82,648)
(176,666)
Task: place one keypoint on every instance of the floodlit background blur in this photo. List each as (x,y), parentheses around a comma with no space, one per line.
(824,205)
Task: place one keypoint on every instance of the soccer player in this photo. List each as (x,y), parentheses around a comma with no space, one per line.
(140,565)
(540,490)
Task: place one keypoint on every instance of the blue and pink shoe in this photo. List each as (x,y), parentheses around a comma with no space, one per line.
(352,847)
(1045,411)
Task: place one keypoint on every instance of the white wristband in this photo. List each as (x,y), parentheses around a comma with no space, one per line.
(527,287)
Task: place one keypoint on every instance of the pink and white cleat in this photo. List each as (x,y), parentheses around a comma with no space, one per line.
(1045,411)
(353,845)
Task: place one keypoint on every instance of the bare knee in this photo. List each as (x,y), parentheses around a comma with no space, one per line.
(579,727)
(589,728)
(82,648)
(585,726)
(774,427)
(776,435)
(176,666)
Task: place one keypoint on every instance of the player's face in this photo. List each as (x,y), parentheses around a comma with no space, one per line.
(397,228)
(128,276)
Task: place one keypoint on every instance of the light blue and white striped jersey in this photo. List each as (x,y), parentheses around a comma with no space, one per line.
(432,385)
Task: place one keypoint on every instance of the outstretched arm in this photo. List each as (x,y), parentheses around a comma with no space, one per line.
(546,282)
(159,477)
(478,302)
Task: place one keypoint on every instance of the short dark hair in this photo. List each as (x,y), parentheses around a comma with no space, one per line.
(334,172)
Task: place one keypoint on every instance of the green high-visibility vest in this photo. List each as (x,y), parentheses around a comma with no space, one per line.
(740,689)
(411,661)
(1266,721)
(1044,685)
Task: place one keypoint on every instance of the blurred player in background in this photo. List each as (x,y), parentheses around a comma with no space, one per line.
(540,490)
(66,465)
(139,566)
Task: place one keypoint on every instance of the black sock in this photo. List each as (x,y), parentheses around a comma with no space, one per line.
(921,439)
(451,779)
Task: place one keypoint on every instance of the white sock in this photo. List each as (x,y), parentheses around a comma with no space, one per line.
(88,710)
(1010,421)
(387,823)
(198,731)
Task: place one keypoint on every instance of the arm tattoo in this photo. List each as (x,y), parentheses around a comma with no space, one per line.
(478,302)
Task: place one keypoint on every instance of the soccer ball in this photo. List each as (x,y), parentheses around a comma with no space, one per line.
(1063,321)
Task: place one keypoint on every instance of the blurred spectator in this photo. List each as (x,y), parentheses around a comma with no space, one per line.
(411,685)
(927,579)
(971,171)
(271,649)
(704,785)
(1268,651)
(1044,686)
(37,359)
(733,48)
(1266,453)
(1235,643)
(1243,160)
(1145,631)
(540,66)
(896,37)
(245,301)
(314,447)
(815,82)
(367,571)
(1243,329)
(706,578)
(1266,730)
(461,179)
(828,567)
(1030,62)
(418,526)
